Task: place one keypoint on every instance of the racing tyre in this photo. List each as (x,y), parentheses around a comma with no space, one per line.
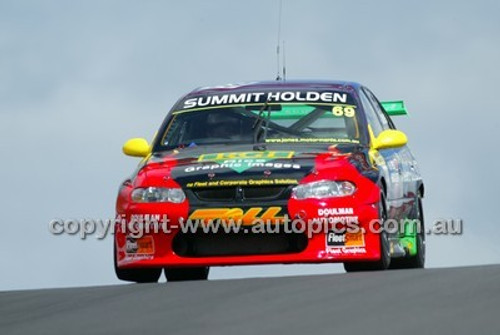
(137,275)
(185,274)
(385,253)
(417,261)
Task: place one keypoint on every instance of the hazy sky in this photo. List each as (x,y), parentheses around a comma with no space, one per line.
(77,79)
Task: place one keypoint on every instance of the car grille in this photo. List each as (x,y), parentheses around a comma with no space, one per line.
(238,244)
(241,193)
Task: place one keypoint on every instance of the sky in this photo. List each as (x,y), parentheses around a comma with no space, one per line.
(77,79)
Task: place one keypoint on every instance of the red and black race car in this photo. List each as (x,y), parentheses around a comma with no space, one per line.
(271,172)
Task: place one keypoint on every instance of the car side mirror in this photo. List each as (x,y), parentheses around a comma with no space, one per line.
(390,138)
(136,147)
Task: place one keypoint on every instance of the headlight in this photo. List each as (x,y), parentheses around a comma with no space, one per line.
(158,194)
(323,189)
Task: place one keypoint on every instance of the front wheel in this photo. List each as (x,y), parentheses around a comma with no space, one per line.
(385,253)
(185,274)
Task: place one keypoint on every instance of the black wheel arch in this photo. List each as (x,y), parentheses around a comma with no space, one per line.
(384,185)
(421,189)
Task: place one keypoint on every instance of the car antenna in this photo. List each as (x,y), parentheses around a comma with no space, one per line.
(284,62)
(278,67)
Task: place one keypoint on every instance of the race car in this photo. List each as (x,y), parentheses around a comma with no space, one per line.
(271,172)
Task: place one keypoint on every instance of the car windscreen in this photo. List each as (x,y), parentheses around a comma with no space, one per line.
(262,122)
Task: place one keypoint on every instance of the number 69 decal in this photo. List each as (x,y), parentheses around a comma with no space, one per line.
(346,111)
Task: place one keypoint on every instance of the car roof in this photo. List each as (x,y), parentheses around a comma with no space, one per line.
(277,85)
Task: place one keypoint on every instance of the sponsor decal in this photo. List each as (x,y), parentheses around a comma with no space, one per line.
(341,111)
(131,245)
(345,243)
(218,157)
(140,218)
(334,239)
(335,211)
(242,161)
(249,216)
(139,246)
(260,97)
(343,215)
(243,182)
(311,140)
(345,251)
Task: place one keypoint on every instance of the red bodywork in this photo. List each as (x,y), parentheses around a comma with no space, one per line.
(328,166)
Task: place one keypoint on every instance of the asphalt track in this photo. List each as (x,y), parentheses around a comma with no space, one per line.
(432,301)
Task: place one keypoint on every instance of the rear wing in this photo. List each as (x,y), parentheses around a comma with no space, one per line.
(394,107)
